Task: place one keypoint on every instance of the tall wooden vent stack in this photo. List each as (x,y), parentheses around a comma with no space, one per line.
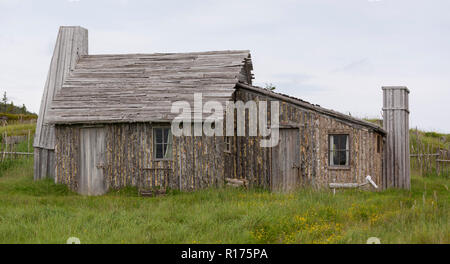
(396,171)
(71,43)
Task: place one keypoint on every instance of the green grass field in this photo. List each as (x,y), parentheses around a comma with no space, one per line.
(42,212)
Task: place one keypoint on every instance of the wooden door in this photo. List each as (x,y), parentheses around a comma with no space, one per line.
(286,161)
(92,148)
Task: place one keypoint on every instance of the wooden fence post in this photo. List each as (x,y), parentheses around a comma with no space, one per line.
(28,141)
(438,170)
(6,143)
(428,160)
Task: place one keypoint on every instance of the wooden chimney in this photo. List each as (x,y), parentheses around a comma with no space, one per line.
(71,43)
(396,170)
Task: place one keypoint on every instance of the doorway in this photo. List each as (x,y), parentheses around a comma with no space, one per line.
(92,148)
(286,161)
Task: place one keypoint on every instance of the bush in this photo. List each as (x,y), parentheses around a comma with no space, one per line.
(434,134)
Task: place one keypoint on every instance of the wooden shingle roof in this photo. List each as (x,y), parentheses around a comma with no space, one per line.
(142,87)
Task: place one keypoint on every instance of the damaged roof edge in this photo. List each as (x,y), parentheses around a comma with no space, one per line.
(310,106)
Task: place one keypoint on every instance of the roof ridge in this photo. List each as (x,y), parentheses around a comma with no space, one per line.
(212,52)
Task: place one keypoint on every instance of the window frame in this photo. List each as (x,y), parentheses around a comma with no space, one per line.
(154,144)
(227,143)
(349,150)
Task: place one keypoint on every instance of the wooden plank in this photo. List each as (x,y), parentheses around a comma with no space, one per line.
(17,153)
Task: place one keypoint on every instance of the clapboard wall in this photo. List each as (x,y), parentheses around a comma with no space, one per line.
(255,163)
(198,162)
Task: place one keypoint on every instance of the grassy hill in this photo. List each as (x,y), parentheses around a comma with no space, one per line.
(434,139)
(420,138)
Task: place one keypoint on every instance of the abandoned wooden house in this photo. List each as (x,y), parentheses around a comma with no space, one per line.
(104,123)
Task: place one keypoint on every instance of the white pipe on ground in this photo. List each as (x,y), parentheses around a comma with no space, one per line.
(369,179)
(335,185)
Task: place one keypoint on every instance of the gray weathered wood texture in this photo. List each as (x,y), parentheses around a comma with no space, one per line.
(197,162)
(249,161)
(104,109)
(92,160)
(71,43)
(396,167)
(286,161)
(200,162)
(142,87)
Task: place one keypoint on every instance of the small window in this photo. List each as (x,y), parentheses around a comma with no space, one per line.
(378,143)
(339,150)
(227,144)
(162,146)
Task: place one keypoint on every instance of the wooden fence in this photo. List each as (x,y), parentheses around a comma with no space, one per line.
(9,146)
(430,158)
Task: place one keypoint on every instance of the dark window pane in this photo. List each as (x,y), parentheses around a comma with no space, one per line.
(335,158)
(342,160)
(158,135)
(341,141)
(159,151)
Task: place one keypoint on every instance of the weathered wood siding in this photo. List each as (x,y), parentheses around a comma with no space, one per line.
(198,162)
(396,123)
(71,43)
(254,163)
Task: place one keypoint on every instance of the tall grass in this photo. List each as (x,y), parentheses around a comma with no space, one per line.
(44,212)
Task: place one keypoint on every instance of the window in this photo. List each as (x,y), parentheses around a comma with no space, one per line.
(339,150)
(378,143)
(227,144)
(162,138)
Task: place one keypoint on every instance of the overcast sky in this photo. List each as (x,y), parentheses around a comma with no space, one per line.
(336,54)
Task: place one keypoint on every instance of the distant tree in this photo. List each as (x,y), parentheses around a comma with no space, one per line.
(269,86)
(10,108)
(4,102)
